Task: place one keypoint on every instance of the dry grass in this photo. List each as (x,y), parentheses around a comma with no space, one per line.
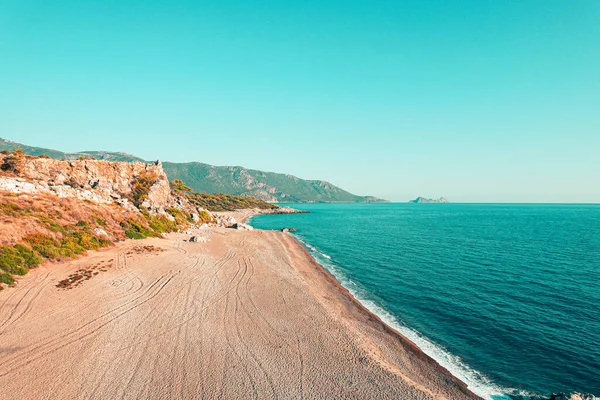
(39,226)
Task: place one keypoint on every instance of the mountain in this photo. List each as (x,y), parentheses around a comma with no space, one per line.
(60,155)
(240,181)
(426,200)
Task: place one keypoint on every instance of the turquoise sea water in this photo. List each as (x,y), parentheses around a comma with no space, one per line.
(507,297)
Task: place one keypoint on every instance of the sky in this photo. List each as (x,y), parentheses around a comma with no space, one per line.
(474,100)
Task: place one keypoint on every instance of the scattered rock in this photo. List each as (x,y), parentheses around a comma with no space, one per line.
(225,220)
(241,226)
(282,210)
(99,231)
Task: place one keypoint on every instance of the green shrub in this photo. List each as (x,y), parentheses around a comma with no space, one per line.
(136,230)
(31,257)
(18,258)
(205,216)
(54,226)
(6,278)
(45,245)
(177,185)
(19,271)
(73,242)
(11,209)
(161,224)
(85,240)
(181,217)
(47,251)
(141,187)
(226,202)
(10,259)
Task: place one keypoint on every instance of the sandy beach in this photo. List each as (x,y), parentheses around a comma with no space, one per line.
(249,314)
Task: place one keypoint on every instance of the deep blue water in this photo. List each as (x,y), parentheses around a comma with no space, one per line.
(507,297)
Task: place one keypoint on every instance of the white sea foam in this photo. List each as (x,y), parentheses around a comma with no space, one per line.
(477,382)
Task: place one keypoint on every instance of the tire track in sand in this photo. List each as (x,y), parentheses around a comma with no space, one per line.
(80,333)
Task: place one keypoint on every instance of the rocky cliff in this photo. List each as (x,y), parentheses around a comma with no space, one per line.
(134,185)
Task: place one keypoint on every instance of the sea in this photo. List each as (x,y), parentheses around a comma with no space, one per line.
(504,296)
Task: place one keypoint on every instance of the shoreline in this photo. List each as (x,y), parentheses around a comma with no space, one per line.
(370,314)
(244,312)
(487,391)
(377,320)
(475,381)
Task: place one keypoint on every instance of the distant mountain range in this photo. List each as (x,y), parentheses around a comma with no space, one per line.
(240,181)
(426,200)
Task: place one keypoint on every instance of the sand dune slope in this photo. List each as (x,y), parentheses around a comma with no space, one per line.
(247,315)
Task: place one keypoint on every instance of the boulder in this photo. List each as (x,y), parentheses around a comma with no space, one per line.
(241,226)
(99,231)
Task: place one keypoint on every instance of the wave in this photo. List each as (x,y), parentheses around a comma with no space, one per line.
(476,381)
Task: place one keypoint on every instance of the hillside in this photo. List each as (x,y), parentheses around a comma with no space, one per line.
(60,155)
(52,209)
(267,186)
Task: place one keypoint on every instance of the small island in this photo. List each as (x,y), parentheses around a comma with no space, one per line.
(426,200)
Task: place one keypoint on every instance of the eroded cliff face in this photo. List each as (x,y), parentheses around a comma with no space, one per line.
(131,185)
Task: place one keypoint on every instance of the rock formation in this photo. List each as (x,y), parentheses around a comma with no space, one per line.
(131,185)
(426,200)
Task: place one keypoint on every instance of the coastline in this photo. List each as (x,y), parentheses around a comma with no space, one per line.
(246,311)
(480,386)
(371,315)
(244,216)
(376,322)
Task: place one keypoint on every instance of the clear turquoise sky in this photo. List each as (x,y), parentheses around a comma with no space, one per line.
(482,100)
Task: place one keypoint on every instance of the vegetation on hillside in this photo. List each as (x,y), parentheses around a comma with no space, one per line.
(141,187)
(240,181)
(34,228)
(226,202)
(61,241)
(219,201)
(56,229)
(6,145)
(178,186)
(237,181)
(11,160)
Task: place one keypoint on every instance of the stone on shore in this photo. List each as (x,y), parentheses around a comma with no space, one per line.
(241,226)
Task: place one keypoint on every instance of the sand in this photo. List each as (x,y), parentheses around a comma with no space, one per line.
(247,315)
